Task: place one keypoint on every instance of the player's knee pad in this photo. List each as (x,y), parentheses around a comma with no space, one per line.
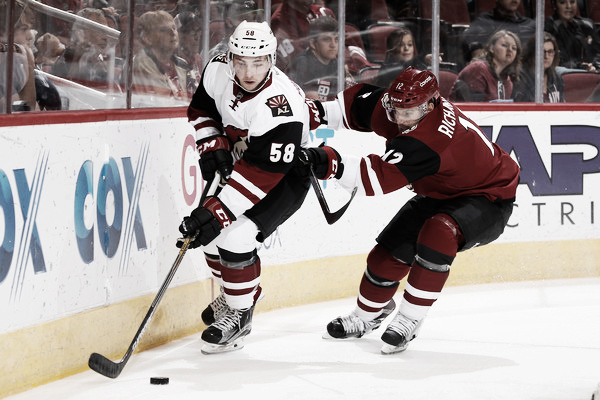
(239,237)
(383,269)
(212,257)
(237,260)
(438,243)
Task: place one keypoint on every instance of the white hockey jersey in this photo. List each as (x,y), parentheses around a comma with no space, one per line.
(266,129)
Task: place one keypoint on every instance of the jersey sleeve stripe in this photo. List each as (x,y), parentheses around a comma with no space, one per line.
(369,178)
(204,122)
(343,106)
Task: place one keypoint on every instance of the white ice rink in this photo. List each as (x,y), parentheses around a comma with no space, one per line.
(523,341)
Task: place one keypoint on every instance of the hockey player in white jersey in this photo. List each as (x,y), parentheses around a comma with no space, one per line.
(249,119)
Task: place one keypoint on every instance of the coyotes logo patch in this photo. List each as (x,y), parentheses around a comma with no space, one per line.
(279,106)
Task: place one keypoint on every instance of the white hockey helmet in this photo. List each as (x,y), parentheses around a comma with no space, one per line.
(253,39)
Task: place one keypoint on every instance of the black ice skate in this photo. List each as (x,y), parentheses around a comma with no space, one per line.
(219,306)
(227,333)
(351,326)
(399,333)
(215,309)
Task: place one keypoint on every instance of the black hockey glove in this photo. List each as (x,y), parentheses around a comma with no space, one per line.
(205,222)
(325,161)
(215,155)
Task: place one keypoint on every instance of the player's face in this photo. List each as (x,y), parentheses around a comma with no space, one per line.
(251,71)
(566,9)
(406,118)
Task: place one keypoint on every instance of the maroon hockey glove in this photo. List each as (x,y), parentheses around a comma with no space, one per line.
(325,161)
(206,222)
(215,155)
(316,113)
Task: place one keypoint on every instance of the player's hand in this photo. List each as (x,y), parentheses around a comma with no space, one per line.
(215,155)
(325,161)
(205,223)
(316,113)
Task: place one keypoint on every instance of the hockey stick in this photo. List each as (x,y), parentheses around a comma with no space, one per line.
(112,369)
(330,217)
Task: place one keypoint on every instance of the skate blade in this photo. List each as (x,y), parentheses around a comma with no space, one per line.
(209,348)
(327,336)
(389,349)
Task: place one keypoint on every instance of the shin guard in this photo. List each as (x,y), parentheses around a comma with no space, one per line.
(437,245)
(379,282)
(242,285)
(215,266)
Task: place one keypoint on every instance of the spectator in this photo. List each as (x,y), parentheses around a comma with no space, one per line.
(156,68)
(553,87)
(504,16)
(189,28)
(401,53)
(46,94)
(578,41)
(20,79)
(49,49)
(290,23)
(90,57)
(315,69)
(234,12)
(492,78)
(22,94)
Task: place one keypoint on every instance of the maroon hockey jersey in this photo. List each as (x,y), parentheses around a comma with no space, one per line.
(445,155)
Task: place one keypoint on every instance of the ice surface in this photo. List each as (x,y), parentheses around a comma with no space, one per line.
(514,341)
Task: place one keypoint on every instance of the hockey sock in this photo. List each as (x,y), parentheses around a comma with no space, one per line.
(215,266)
(379,282)
(437,245)
(423,287)
(242,285)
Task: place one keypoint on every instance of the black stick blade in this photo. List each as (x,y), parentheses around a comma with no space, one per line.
(333,217)
(104,366)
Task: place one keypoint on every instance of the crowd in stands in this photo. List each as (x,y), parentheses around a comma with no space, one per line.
(492,57)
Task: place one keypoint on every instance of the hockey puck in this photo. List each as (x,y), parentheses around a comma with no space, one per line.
(155,380)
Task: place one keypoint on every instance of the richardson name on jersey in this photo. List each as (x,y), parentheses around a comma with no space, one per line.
(449,120)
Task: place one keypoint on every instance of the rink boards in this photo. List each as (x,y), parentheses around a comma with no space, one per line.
(91,203)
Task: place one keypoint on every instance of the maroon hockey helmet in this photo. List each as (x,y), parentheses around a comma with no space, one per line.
(412,88)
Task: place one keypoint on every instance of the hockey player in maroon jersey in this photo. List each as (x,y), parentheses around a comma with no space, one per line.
(465,187)
(249,120)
